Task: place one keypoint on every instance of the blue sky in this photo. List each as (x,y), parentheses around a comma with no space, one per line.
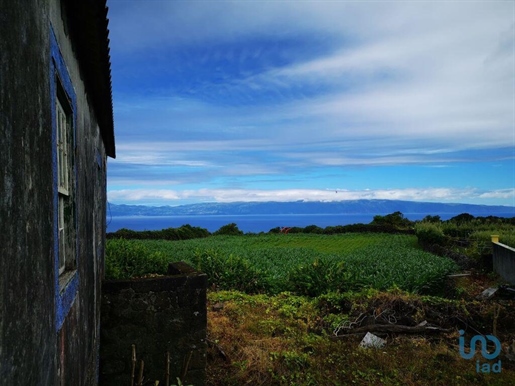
(220,101)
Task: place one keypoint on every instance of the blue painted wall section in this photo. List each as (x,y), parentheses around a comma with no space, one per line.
(64,297)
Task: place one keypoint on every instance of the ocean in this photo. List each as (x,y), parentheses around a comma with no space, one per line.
(252,223)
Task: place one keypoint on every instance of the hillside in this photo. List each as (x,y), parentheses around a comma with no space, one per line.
(311,207)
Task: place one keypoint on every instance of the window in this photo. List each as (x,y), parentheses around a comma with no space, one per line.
(65,227)
(65,179)
(62,123)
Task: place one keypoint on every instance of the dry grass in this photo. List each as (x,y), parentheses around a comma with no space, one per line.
(286,340)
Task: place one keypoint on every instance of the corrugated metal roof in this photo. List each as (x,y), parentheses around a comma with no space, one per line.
(88,26)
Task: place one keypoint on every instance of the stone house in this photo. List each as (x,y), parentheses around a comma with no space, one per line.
(56,132)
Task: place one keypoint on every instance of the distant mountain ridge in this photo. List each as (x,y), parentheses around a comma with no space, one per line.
(379,207)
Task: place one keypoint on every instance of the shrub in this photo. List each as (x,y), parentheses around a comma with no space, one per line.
(462,218)
(230,272)
(125,259)
(331,230)
(432,219)
(313,229)
(508,239)
(430,234)
(482,240)
(395,219)
(319,277)
(184,232)
(461,230)
(229,230)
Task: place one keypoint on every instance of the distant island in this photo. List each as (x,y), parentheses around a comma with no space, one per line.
(378,207)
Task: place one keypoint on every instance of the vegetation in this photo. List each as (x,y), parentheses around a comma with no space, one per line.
(131,258)
(305,264)
(279,302)
(290,340)
(465,235)
(229,230)
(184,232)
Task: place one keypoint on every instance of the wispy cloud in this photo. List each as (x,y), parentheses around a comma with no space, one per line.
(229,94)
(173,197)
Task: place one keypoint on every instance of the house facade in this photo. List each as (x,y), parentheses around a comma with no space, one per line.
(56,125)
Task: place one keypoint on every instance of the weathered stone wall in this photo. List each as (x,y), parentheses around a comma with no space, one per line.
(157,315)
(42,343)
(27,328)
(504,262)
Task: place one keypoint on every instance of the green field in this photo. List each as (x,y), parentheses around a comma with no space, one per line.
(306,264)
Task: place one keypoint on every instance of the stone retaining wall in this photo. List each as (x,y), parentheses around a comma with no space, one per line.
(157,315)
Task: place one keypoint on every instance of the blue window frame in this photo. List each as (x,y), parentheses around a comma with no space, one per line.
(65,225)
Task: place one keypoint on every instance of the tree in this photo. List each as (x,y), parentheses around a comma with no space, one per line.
(432,219)
(395,219)
(229,230)
(462,218)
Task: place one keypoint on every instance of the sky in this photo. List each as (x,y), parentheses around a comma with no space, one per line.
(223,101)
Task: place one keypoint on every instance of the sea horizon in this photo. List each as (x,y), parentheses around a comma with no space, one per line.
(257,223)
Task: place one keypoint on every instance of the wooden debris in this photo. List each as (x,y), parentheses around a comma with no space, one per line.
(167,374)
(488,293)
(140,378)
(221,352)
(459,275)
(394,328)
(186,366)
(133,364)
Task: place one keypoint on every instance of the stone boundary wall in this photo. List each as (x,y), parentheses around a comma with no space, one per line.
(504,261)
(157,315)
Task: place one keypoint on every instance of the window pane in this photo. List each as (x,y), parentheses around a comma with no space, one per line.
(62,148)
(62,239)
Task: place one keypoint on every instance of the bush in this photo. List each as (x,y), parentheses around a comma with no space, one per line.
(229,230)
(432,219)
(313,229)
(507,239)
(429,234)
(321,276)
(230,272)
(460,230)
(125,259)
(184,232)
(462,218)
(395,219)
(482,240)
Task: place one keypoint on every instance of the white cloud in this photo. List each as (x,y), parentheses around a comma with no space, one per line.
(157,159)
(399,83)
(501,193)
(164,196)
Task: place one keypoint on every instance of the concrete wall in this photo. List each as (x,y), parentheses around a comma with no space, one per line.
(504,261)
(157,315)
(49,334)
